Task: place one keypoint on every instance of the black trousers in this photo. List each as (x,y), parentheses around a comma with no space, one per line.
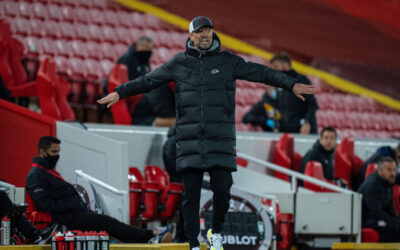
(220,182)
(23,224)
(90,221)
(389,233)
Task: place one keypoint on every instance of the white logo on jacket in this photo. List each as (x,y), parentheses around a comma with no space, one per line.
(214,71)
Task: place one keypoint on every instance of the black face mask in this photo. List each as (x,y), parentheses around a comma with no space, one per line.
(51,161)
(143,56)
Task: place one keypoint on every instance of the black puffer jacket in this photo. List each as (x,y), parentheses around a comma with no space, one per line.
(50,193)
(205,101)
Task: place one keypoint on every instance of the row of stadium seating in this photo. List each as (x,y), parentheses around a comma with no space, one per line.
(86,51)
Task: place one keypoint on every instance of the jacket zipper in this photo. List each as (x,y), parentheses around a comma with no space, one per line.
(202,112)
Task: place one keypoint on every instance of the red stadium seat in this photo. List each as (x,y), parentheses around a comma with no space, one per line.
(64,48)
(78,68)
(369,235)
(55,12)
(170,192)
(82,15)
(47,91)
(68,14)
(67,31)
(82,32)
(109,34)
(119,111)
(40,11)
(24,9)
(40,220)
(124,19)
(96,17)
(95,33)
(314,169)
(63,89)
(94,50)
(344,160)
(135,192)
(396,199)
(110,18)
(11,8)
(285,156)
(149,196)
(94,69)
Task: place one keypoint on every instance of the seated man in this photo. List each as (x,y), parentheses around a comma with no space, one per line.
(377,201)
(263,113)
(323,152)
(380,152)
(23,224)
(52,194)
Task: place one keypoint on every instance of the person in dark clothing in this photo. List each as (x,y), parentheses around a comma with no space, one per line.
(377,201)
(23,225)
(264,114)
(297,116)
(204,79)
(380,152)
(323,151)
(158,106)
(169,155)
(51,193)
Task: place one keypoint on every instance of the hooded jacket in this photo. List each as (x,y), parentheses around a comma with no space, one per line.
(318,153)
(205,101)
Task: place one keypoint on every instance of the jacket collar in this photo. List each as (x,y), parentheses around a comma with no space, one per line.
(193,51)
(381,180)
(40,161)
(320,148)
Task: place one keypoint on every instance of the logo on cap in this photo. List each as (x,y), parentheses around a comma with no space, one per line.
(202,20)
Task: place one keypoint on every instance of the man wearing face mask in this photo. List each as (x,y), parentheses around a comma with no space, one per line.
(297,116)
(158,106)
(264,113)
(52,194)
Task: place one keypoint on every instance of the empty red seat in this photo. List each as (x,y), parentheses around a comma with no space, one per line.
(124,36)
(63,89)
(82,32)
(94,50)
(108,51)
(396,199)
(95,33)
(82,15)
(78,68)
(10,8)
(148,197)
(64,48)
(109,34)
(124,19)
(94,70)
(119,111)
(79,49)
(369,235)
(68,14)
(53,29)
(25,9)
(55,12)
(314,169)
(22,26)
(47,90)
(170,192)
(37,28)
(285,156)
(110,18)
(96,17)
(67,31)
(40,11)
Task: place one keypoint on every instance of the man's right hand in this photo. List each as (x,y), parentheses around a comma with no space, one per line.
(110,99)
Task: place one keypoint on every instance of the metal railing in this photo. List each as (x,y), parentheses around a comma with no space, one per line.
(294,175)
(121,193)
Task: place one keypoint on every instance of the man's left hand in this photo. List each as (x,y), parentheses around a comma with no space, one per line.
(305,128)
(299,89)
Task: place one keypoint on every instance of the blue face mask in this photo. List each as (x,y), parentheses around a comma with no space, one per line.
(273,94)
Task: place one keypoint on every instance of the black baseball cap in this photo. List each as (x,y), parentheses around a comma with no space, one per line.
(199,22)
